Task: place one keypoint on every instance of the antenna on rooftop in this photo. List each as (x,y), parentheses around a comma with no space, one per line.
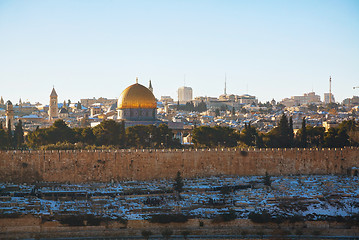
(225,84)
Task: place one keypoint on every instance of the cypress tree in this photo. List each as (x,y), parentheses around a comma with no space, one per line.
(178,184)
(3,138)
(123,134)
(9,135)
(303,137)
(291,132)
(18,135)
(78,106)
(284,139)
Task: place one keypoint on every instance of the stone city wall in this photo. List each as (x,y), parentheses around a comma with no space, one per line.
(117,165)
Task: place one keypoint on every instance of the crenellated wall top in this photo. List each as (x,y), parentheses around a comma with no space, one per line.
(184,150)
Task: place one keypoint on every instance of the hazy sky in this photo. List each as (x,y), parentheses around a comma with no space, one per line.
(270,49)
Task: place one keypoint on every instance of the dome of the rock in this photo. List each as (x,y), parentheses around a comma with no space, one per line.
(137,103)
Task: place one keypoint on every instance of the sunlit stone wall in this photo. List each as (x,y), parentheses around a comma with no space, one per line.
(106,166)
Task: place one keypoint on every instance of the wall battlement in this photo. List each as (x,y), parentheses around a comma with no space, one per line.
(146,164)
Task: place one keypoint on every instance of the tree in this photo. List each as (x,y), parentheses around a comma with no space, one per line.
(178,184)
(280,136)
(108,133)
(138,136)
(249,135)
(312,107)
(266,180)
(284,129)
(303,135)
(336,137)
(60,132)
(10,139)
(291,132)
(78,106)
(122,134)
(87,136)
(205,136)
(3,138)
(352,129)
(19,135)
(216,112)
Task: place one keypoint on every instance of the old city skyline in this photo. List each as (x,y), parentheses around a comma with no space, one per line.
(271,50)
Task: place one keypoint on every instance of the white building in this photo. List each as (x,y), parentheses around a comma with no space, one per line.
(307,98)
(184,94)
(327,98)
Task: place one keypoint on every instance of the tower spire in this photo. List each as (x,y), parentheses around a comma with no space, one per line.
(136,79)
(225,84)
(150,86)
(330,89)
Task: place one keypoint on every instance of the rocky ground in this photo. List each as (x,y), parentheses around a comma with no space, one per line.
(288,197)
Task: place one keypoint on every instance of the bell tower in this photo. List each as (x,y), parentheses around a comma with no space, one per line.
(9,115)
(53,108)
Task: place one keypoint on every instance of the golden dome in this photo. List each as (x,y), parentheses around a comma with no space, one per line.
(136,96)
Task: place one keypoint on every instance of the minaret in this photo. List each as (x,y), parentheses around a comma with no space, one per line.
(53,108)
(330,89)
(150,86)
(2,101)
(136,80)
(9,114)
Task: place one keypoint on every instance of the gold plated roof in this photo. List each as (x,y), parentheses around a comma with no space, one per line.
(136,96)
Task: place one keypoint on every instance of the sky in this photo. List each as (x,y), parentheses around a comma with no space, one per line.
(86,49)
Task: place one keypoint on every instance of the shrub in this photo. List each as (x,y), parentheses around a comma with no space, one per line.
(226,190)
(121,220)
(296,218)
(266,180)
(178,184)
(77,220)
(225,217)
(85,220)
(261,217)
(167,218)
(59,146)
(10,215)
